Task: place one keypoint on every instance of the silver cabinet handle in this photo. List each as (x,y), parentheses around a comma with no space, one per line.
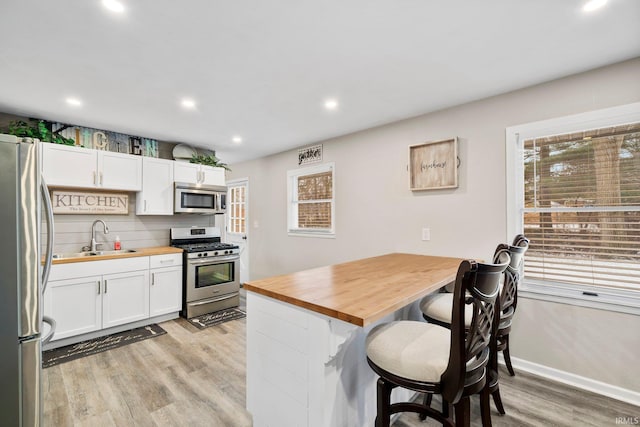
(105,286)
(166,261)
(98,287)
(101,178)
(95,178)
(145,205)
(153,279)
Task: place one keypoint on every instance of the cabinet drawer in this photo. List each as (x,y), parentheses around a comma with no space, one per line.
(169,260)
(91,268)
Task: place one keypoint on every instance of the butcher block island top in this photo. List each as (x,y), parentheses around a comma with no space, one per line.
(363,291)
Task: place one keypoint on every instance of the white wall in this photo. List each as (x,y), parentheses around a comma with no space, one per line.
(376,213)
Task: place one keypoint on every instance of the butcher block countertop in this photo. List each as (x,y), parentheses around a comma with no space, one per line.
(157,250)
(363,291)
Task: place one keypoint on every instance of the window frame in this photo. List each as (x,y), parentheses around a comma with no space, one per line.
(600,297)
(292,202)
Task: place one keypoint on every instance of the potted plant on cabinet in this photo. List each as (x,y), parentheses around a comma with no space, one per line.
(38,129)
(208,160)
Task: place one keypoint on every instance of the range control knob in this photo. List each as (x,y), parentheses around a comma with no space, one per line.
(215,253)
(199,254)
(205,254)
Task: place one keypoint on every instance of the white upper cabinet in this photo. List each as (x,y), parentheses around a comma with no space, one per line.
(156,197)
(119,171)
(212,176)
(193,173)
(186,172)
(65,166)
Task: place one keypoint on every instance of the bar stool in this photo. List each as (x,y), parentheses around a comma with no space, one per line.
(436,308)
(431,359)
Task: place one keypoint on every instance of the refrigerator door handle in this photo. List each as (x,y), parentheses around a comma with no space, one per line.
(52,323)
(49,257)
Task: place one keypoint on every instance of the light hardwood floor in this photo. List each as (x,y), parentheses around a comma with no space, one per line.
(192,377)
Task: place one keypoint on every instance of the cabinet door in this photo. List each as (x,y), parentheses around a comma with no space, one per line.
(66,166)
(75,305)
(212,176)
(117,171)
(186,172)
(165,290)
(156,197)
(125,298)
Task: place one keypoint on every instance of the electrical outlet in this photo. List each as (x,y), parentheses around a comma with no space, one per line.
(426,234)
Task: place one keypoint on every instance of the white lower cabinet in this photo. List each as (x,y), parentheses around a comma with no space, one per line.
(166,284)
(75,305)
(86,297)
(125,298)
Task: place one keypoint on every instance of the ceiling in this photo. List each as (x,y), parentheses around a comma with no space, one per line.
(262,70)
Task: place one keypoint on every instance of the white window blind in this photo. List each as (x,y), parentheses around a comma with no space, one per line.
(311,200)
(582,207)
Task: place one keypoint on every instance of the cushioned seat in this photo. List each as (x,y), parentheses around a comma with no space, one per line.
(438,307)
(410,349)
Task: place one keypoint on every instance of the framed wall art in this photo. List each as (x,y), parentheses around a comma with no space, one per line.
(433,165)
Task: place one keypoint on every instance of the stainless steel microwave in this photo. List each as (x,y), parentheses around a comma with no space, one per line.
(200,199)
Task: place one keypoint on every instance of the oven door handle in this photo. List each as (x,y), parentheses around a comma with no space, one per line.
(213,260)
(208,301)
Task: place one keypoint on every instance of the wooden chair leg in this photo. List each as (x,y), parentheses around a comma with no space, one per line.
(427,402)
(463,412)
(446,408)
(497,400)
(485,407)
(384,402)
(507,356)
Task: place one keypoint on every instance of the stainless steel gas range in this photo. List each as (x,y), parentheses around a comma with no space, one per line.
(211,270)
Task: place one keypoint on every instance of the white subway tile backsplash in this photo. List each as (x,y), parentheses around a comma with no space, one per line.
(74,231)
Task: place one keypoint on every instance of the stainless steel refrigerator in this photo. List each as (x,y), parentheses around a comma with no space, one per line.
(23,277)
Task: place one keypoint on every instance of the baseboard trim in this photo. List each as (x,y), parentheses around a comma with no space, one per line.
(612,391)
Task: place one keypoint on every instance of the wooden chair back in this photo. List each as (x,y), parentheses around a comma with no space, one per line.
(476,289)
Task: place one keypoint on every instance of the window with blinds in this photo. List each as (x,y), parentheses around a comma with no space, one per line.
(582,207)
(311,200)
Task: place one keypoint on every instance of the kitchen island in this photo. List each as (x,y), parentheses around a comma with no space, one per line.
(306,360)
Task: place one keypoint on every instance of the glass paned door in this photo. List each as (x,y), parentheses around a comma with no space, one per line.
(238,222)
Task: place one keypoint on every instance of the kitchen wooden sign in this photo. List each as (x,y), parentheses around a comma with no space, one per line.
(83,202)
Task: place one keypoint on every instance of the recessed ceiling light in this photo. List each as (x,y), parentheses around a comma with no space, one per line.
(113,5)
(188,103)
(75,102)
(330,104)
(592,5)
(236,140)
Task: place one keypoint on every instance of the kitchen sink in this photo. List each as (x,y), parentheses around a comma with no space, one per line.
(91,253)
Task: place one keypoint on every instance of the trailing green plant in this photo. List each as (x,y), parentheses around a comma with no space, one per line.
(39,129)
(208,160)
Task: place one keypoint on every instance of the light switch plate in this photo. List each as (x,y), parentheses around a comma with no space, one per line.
(426,234)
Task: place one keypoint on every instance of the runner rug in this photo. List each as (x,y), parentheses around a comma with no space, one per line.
(98,345)
(212,319)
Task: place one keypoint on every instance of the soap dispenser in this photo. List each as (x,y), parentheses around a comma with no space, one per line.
(116,244)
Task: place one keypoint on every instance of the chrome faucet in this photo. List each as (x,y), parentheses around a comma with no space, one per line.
(93,233)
